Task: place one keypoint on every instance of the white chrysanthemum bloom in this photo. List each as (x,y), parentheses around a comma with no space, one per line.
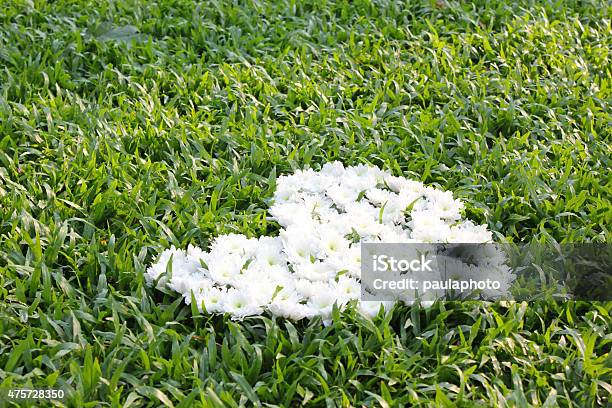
(211,298)
(315,261)
(332,242)
(427,226)
(307,288)
(281,275)
(443,203)
(226,270)
(240,304)
(285,195)
(316,271)
(299,244)
(318,184)
(291,181)
(396,235)
(378,196)
(348,262)
(197,286)
(467,232)
(341,222)
(392,212)
(365,226)
(371,308)
(367,174)
(182,267)
(363,209)
(194,252)
(322,302)
(333,169)
(183,282)
(317,206)
(406,199)
(234,244)
(260,291)
(289,213)
(347,288)
(285,294)
(155,271)
(397,183)
(353,181)
(353,261)
(411,187)
(270,253)
(342,195)
(491,254)
(291,310)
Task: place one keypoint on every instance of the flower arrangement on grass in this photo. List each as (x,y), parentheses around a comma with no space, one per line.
(315,261)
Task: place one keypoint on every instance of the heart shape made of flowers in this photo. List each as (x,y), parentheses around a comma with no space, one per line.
(315,261)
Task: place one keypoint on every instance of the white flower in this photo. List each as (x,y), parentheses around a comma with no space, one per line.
(342,195)
(411,187)
(371,308)
(318,206)
(181,267)
(156,270)
(316,271)
(347,288)
(397,183)
(260,291)
(286,295)
(239,304)
(285,195)
(195,253)
(396,235)
(333,169)
(392,213)
(428,227)
(315,261)
(300,244)
(406,198)
(317,183)
(307,288)
(290,212)
(332,242)
(212,299)
(270,253)
(322,302)
(291,310)
(358,180)
(184,282)
(348,262)
(281,275)
(467,232)
(444,205)
(225,270)
(234,244)
(364,226)
(378,196)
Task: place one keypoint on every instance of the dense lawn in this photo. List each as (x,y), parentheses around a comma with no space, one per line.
(128,126)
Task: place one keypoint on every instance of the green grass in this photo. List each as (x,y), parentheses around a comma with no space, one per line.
(128,126)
